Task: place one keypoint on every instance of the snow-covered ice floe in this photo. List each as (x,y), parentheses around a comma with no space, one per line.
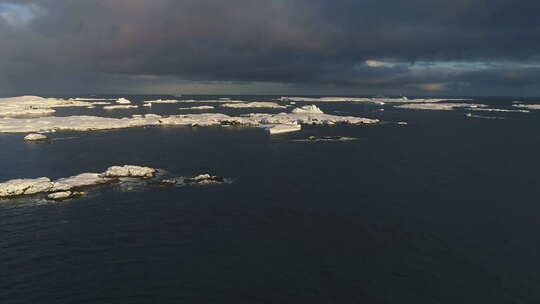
(439,106)
(311,109)
(37,106)
(123,101)
(499,110)
(313,115)
(93,99)
(120,107)
(20,187)
(378,100)
(202,179)
(198,108)
(327,138)
(283,128)
(255,104)
(130,171)
(527,106)
(35,137)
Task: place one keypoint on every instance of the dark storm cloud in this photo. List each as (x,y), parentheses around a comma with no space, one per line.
(313,42)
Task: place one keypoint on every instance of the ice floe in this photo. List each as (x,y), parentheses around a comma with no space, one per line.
(58,196)
(81,181)
(499,110)
(255,104)
(123,101)
(130,171)
(328,138)
(60,188)
(36,106)
(306,115)
(35,137)
(26,186)
(379,100)
(311,109)
(120,107)
(198,108)
(283,128)
(438,106)
(528,106)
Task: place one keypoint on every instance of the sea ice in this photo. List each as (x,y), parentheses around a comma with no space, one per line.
(123,101)
(37,106)
(80,181)
(198,108)
(311,109)
(117,107)
(255,104)
(438,106)
(306,115)
(527,106)
(35,137)
(283,128)
(130,171)
(64,195)
(27,186)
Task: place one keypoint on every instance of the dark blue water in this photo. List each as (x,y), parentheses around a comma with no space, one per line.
(442,210)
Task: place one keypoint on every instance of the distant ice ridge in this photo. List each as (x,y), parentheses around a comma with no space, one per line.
(38,106)
(19,187)
(89,123)
(527,106)
(255,104)
(379,100)
(439,106)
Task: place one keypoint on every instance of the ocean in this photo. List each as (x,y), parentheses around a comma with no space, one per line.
(444,209)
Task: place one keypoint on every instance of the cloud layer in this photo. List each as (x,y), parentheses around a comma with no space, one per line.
(488,47)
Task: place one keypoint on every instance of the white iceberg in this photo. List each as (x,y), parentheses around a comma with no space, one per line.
(378,100)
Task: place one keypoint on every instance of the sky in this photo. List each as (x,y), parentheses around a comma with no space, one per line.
(281,47)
